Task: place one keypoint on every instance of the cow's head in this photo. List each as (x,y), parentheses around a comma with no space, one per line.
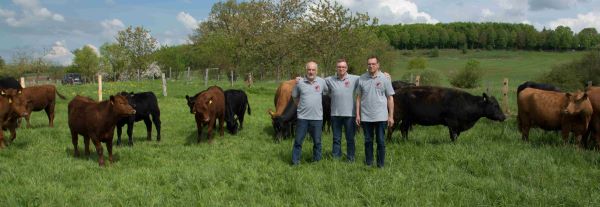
(577,103)
(130,98)
(280,127)
(121,105)
(17,101)
(491,108)
(190,102)
(204,103)
(232,125)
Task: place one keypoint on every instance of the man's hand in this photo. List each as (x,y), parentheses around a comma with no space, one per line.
(357,120)
(390,121)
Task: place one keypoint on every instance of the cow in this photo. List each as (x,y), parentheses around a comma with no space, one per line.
(96,121)
(12,107)
(398,84)
(208,107)
(551,110)
(191,100)
(39,98)
(431,105)
(9,82)
(236,102)
(326,102)
(594,126)
(146,107)
(541,86)
(284,116)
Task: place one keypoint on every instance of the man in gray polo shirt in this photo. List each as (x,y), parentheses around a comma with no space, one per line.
(307,95)
(374,109)
(341,90)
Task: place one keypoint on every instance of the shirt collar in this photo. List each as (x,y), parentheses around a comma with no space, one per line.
(343,78)
(377,74)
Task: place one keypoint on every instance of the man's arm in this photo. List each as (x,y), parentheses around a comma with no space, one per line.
(390,105)
(358,110)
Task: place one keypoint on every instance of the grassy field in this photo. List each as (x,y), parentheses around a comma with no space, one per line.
(488,165)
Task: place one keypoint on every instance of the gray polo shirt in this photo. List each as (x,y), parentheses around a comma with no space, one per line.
(341,91)
(310,106)
(373,91)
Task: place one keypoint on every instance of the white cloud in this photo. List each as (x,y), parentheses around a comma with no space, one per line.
(390,11)
(582,21)
(60,54)
(93,48)
(187,20)
(31,11)
(111,27)
(486,13)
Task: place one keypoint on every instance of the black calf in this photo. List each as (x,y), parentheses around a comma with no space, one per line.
(145,105)
(235,106)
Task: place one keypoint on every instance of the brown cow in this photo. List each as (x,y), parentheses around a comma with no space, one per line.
(594,127)
(550,110)
(208,107)
(96,121)
(284,117)
(41,98)
(11,108)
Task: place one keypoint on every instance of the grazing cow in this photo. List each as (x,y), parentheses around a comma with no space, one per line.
(236,102)
(12,107)
(550,110)
(594,126)
(41,98)
(541,86)
(96,121)
(398,84)
(146,106)
(326,102)
(208,107)
(9,82)
(284,117)
(429,105)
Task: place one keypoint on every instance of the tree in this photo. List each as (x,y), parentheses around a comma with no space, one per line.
(139,45)
(469,76)
(588,38)
(116,58)
(2,63)
(86,62)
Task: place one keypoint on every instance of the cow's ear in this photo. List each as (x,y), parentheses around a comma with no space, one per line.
(2,93)
(187,97)
(585,96)
(20,91)
(568,95)
(112,99)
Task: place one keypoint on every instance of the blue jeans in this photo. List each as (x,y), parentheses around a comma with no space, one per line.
(350,127)
(379,129)
(314,128)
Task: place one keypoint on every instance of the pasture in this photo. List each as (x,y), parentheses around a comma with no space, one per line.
(488,165)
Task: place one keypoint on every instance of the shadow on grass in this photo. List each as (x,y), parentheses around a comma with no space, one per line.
(192,138)
(93,154)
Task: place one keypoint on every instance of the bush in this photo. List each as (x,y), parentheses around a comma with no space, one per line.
(469,76)
(427,77)
(434,53)
(417,63)
(575,75)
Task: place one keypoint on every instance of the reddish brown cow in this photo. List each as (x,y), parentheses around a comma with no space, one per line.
(208,107)
(550,110)
(41,98)
(285,110)
(11,108)
(96,121)
(594,127)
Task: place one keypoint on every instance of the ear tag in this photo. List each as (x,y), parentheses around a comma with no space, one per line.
(210,102)
(10,100)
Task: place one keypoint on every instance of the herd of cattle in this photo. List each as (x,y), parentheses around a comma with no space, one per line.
(539,105)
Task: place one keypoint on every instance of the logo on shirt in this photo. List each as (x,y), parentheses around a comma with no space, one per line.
(317,88)
(347,83)
(378,84)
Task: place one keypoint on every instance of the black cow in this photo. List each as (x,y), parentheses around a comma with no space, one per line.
(284,124)
(429,105)
(145,105)
(192,100)
(398,84)
(541,86)
(10,82)
(235,107)
(326,101)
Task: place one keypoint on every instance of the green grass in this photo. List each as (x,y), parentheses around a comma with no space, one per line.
(488,165)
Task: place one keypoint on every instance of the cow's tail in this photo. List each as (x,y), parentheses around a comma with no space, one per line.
(249,111)
(61,96)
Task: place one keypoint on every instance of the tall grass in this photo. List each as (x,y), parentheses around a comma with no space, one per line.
(487,165)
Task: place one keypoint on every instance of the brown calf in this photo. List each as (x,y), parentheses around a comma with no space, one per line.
(209,106)
(550,110)
(11,108)
(41,97)
(96,121)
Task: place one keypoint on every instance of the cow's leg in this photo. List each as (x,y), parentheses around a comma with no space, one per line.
(404,127)
(27,120)
(565,134)
(74,141)
(86,143)
(109,148)
(13,132)
(2,145)
(130,123)
(50,113)
(453,134)
(211,126)
(148,124)
(156,120)
(199,127)
(99,150)
(119,132)
(221,125)
(241,119)
(390,130)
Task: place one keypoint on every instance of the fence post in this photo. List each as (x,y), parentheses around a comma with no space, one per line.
(99,87)
(206,77)
(170,74)
(418,80)
(505,96)
(188,73)
(22,79)
(231,78)
(164,84)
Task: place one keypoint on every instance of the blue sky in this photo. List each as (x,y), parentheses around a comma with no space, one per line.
(58,27)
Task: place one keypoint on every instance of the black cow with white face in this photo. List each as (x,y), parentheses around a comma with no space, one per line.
(146,107)
(428,106)
(236,102)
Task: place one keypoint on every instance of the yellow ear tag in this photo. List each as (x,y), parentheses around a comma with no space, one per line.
(10,100)
(210,102)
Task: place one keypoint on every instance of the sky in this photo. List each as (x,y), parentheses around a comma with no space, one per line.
(54,28)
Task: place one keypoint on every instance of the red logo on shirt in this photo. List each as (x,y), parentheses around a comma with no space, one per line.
(317,88)
(347,83)
(378,84)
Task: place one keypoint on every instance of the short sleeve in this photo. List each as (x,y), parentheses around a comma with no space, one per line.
(295,91)
(389,90)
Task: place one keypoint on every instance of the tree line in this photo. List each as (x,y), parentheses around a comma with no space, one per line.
(470,35)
